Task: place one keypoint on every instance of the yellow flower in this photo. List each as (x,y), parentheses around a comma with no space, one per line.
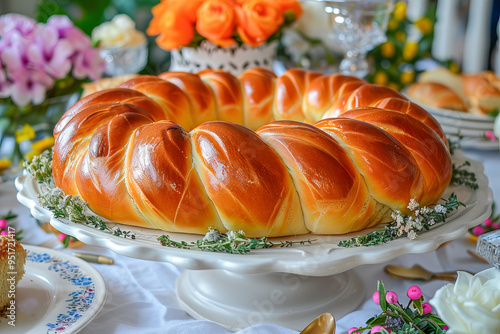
(29,156)
(400,11)
(393,85)
(407,77)
(453,67)
(388,49)
(4,164)
(424,25)
(38,147)
(410,50)
(380,78)
(400,36)
(26,133)
(393,24)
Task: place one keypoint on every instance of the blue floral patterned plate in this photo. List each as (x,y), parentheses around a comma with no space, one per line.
(59,293)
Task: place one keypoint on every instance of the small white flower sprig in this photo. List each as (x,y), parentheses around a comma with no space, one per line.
(229,242)
(62,205)
(406,225)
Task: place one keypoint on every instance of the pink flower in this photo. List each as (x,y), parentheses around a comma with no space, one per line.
(376,298)
(352,329)
(63,25)
(487,222)
(426,308)
(3,232)
(391,297)
(50,53)
(62,236)
(3,223)
(20,23)
(29,82)
(4,83)
(495,226)
(376,329)
(88,64)
(414,292)
(34,55)
(478,230)
(489,134)
(445,327)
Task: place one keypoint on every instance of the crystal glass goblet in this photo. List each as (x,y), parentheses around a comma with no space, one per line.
(357,26)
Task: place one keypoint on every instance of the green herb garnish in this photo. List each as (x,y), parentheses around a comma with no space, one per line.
(406,225)
(62,205)
(461,176)
(230,242)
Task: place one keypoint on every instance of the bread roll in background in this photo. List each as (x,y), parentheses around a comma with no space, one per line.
(177,153)
(475,93)
(10,249)
(437,95)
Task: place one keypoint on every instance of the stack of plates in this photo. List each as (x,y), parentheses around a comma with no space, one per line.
(468,129)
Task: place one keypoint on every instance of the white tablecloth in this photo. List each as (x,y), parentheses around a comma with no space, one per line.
(142,299)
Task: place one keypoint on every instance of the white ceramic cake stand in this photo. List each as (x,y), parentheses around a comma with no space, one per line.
(283,286)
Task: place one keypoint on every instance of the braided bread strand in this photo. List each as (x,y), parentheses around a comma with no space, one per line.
(177,153)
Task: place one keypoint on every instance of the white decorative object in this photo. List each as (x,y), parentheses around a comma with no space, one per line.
(122,46)
(297,283)
(125,60)
(446,35)
(234,59)
(477,37)
(497,57)
(416,9)
(472,304)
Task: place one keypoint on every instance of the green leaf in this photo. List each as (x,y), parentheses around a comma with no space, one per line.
(418,305)
(493,113)
(66,241)
(381,295)
(436,319)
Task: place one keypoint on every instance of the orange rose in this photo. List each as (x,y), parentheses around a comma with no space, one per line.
(290,5)
(216,21)
(175,30)
(258,20)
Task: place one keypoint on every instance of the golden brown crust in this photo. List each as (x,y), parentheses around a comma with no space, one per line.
(227,93)
(173,100)
(430,153)
(117,150)
(483,95)
(479,92)
(246,180)
(389,170)
(199,94)
(258,95)
(12,260)
(290,88)
(106,83)
(333,194)
(163,182)
(437,95)
(414,110)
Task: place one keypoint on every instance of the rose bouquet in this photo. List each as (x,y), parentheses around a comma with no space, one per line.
(40,64)
(181,23)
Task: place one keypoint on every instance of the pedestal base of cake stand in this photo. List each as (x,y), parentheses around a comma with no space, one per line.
(237,301)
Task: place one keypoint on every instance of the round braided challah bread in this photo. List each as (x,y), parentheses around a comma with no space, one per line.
(304,152)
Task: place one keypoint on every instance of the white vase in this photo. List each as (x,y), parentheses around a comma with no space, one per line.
(234,59)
